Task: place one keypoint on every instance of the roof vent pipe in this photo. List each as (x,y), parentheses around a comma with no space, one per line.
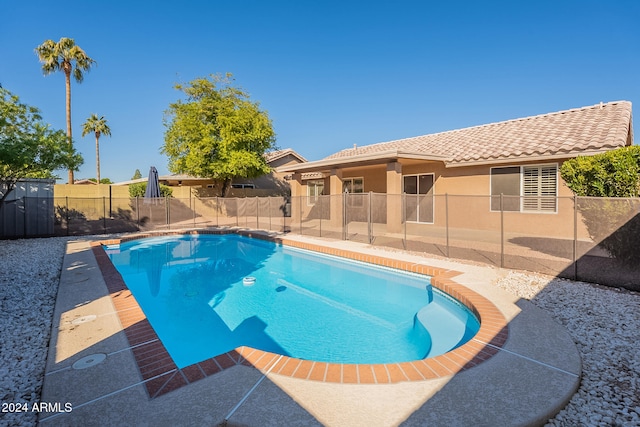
(601,105)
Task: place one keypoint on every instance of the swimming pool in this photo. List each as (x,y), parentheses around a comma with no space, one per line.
(302,304)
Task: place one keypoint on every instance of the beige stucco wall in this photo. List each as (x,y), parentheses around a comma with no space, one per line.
(473,180)
(100,190)
(474,211)
(375,177)
(92,200)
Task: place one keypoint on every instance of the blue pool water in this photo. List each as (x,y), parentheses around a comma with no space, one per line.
(302,304)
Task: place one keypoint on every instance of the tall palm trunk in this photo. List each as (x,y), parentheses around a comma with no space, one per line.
(98,157)
(67,74)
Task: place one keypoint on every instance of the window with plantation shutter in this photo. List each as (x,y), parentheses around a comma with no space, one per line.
(539,188)
(524,188)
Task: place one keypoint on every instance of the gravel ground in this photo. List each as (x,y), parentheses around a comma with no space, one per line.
(604,323)
(29,275)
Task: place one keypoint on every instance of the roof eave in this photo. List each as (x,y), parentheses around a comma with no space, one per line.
(360,160)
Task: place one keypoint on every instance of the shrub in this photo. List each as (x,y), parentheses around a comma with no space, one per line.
(138,190)
(611,174)
(613,223)
(166,191)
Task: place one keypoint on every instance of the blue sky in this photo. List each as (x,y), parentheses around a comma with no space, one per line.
(331,74)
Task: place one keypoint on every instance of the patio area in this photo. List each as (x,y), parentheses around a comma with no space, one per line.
(526,381)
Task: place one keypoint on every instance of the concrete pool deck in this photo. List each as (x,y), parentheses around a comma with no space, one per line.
(526,380)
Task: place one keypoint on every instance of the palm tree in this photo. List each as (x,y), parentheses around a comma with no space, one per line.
(97,125)
(61,56)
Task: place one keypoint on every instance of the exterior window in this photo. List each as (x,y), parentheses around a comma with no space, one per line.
(419,197)
(525,188)
(314,190)
(539,188)
(243,186)
(354,186)
(505,181)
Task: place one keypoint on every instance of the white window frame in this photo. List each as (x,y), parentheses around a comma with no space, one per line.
(538,197)
(522,185)
(314,183)
(433,204)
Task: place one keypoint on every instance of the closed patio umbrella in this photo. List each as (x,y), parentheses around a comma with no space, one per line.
(153,186)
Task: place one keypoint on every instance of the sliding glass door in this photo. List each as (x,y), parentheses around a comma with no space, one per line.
(419,197)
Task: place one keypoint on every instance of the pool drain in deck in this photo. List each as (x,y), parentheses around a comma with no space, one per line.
(89,361)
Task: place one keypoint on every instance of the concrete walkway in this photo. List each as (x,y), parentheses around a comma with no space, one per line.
(527,382)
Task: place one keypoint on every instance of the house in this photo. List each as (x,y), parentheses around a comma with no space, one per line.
(273,183)
(276,182)
(514,164)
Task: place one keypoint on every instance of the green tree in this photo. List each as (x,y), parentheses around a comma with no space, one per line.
(69,58)
(137,174)
(98,126)
(217,132)
(29,148)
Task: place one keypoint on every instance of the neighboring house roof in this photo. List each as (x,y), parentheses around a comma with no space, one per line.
(181,177)
(131,181)
(173,177)
(272,156)
(580,131)
(269,157)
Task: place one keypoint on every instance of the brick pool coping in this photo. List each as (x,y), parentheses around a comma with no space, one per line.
(161,375)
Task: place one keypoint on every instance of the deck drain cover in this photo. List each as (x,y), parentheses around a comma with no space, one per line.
(89,361)
(84,319)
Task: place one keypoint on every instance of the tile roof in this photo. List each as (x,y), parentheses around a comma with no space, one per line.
(278,154)
(572,132)
(269,157)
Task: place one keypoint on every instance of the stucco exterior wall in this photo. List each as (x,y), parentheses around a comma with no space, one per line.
(468,203)
(476,211)
(375,178)
(91,191)
(92,200)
